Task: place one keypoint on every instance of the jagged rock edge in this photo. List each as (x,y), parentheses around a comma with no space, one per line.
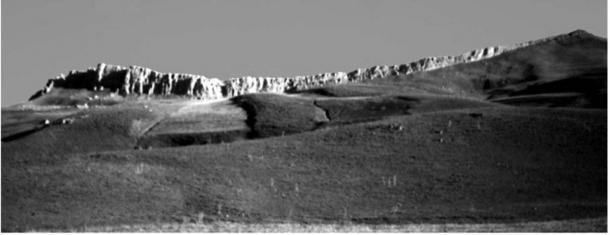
(145,81)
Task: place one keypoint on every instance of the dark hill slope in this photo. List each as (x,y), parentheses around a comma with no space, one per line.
(274,115)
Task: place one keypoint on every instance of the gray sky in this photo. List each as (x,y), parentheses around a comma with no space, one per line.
(225,38)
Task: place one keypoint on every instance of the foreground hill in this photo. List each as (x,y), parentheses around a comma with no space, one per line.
(505,135)
(508,165)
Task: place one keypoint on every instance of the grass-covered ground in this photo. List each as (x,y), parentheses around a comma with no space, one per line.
(196,123)
(509,164)
(579,225)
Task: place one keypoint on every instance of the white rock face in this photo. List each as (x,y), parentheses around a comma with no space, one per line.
(137,80)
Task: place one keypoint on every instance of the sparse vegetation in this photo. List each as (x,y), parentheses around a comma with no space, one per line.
(324,164)
(136,128)
(582,225)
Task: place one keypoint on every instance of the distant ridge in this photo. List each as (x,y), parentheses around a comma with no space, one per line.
(140,80)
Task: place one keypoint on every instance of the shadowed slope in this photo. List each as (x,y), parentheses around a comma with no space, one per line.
(273,115)
(278,115)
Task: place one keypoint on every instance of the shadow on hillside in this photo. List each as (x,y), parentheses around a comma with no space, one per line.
(22,134)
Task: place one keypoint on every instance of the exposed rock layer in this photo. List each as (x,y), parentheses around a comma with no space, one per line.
(144,81)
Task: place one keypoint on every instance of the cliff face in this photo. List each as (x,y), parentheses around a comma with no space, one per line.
(138,80)
(144,81)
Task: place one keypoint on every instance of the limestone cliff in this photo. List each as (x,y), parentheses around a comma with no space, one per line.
(144,81)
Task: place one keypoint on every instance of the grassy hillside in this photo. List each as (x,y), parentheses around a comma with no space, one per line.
(198,122)
(73,97)
(506,165)
(94,129)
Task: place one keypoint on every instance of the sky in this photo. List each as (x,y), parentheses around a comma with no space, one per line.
(231,38)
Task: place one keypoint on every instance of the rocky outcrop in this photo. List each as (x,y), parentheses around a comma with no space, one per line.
(137,80)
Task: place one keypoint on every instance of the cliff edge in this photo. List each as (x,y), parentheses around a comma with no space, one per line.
(140,80)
